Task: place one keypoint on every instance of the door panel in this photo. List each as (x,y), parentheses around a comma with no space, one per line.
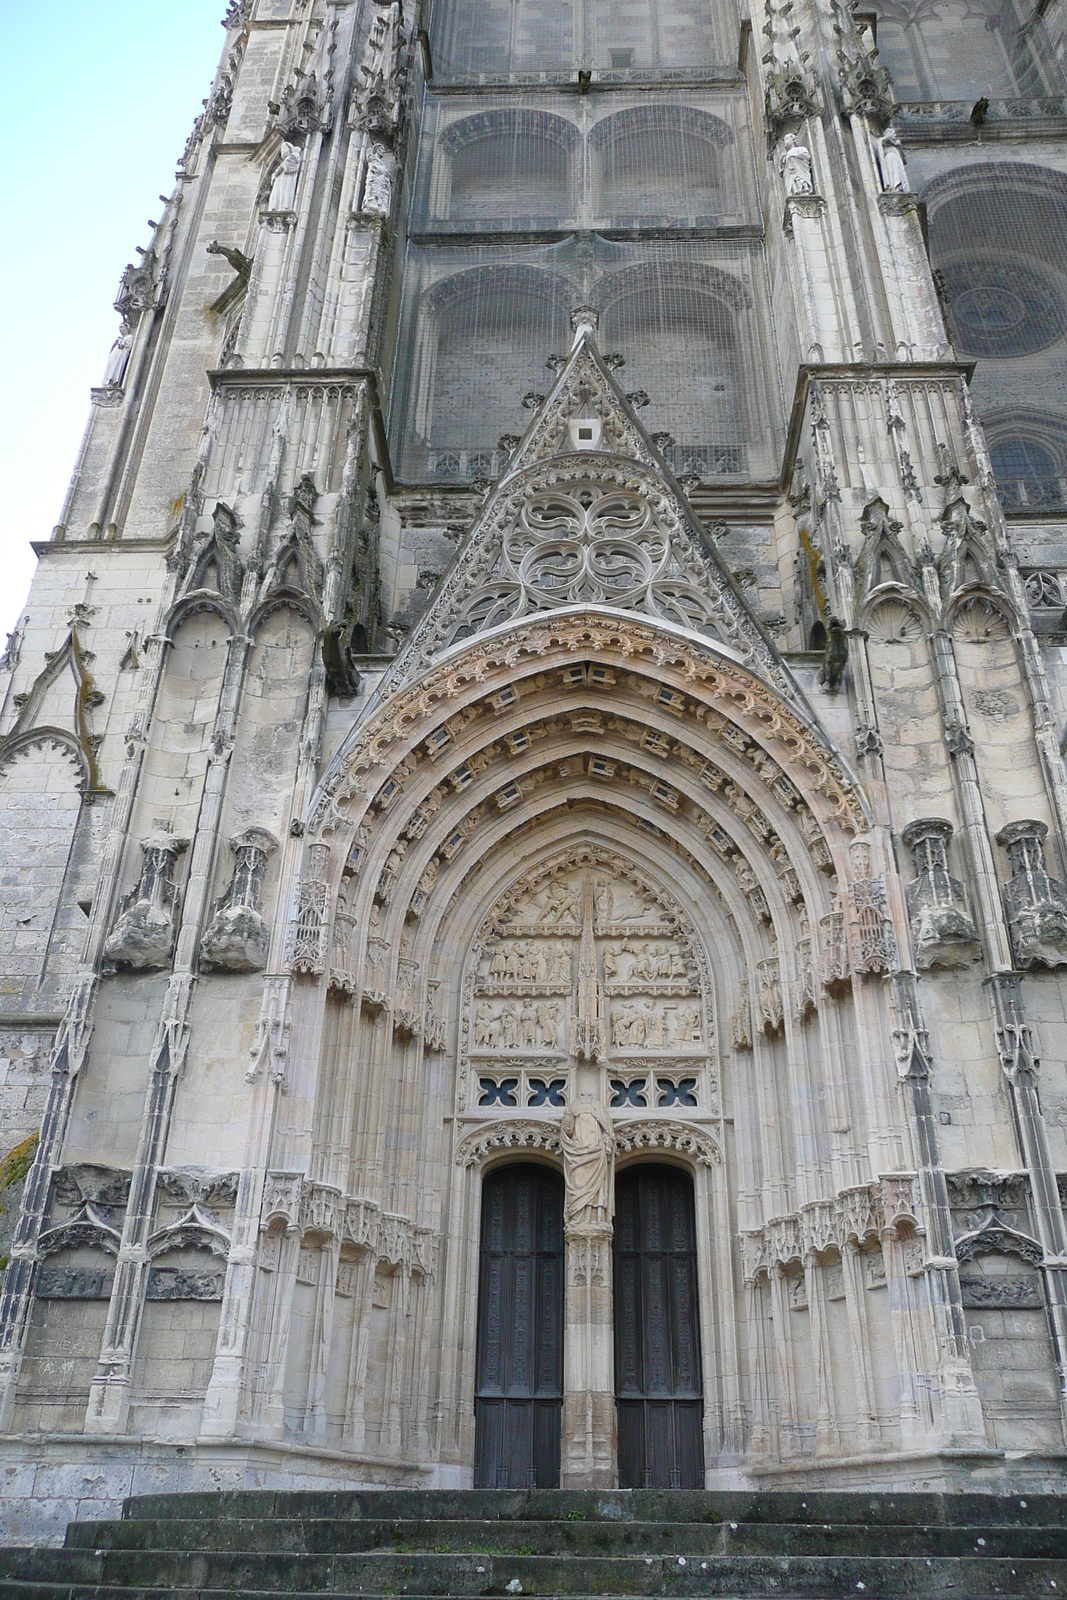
(519,1378)
(658,1384)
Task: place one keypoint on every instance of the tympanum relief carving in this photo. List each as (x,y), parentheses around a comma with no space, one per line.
(584,965)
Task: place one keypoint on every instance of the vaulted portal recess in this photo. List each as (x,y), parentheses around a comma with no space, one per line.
(658,1384)
(519,1386)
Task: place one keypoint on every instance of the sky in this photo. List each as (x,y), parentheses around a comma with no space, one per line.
(99,97)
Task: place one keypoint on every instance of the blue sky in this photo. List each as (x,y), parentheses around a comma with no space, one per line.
(98,97)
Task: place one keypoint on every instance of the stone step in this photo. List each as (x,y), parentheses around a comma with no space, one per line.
(330,1536)
(617,1505)
(805,1577)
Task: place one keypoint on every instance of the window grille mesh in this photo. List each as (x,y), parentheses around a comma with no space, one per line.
(488,164)
(480,323)
(998,236)
(964,49)
(539,39)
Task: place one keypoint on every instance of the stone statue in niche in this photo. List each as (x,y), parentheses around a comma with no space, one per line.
(238,938)
(119,357)
(378,184)
(588,1141)
(143,936)
(794,163)
(286,177)
(891,163)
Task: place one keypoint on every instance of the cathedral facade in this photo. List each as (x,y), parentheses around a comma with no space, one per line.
(533,811)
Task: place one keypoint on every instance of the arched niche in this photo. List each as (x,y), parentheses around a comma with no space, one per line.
(482,340)
(998,709)
(183,721)
(662,161)
(506,164)
(902,671)
(42,782)
(679,324)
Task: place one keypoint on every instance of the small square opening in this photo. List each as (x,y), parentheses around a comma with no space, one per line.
(621,58)
(585,433)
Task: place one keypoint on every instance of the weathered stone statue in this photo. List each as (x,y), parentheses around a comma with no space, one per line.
(378,187)
(794,163)
(891,162)
(588,1141)
(117,360)
(283,189)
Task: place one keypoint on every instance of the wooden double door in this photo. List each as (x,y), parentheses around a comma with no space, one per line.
(519,1378)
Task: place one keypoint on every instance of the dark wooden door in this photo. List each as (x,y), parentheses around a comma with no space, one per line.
(519,1380)
(658,1388)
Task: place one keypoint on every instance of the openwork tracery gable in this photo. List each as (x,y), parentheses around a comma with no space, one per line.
(587,514)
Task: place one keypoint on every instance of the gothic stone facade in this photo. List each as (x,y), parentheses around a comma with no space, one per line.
(552,663)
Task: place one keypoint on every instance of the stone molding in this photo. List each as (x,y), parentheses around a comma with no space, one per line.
(307,1208)
(876,1209)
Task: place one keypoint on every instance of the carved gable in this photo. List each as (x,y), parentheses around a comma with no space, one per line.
(587,514)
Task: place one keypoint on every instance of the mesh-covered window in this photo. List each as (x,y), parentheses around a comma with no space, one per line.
(677,328)
(479,325)
(479,340)
(1029,455)
(998,236)
(535,38)
(964,49)
(631,159)
(660,163)
(507,164)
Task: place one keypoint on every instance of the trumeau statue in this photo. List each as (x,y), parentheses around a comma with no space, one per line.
(794,163)
(588,1141)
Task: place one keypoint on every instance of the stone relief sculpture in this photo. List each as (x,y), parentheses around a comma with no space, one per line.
(588,1142)
(378,183)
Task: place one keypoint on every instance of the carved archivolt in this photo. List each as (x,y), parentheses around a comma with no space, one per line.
(692,674)
(687,1140)
(517,1135)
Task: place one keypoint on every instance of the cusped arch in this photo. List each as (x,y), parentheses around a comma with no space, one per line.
(196,603)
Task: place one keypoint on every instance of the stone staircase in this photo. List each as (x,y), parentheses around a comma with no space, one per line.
(394,1542)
